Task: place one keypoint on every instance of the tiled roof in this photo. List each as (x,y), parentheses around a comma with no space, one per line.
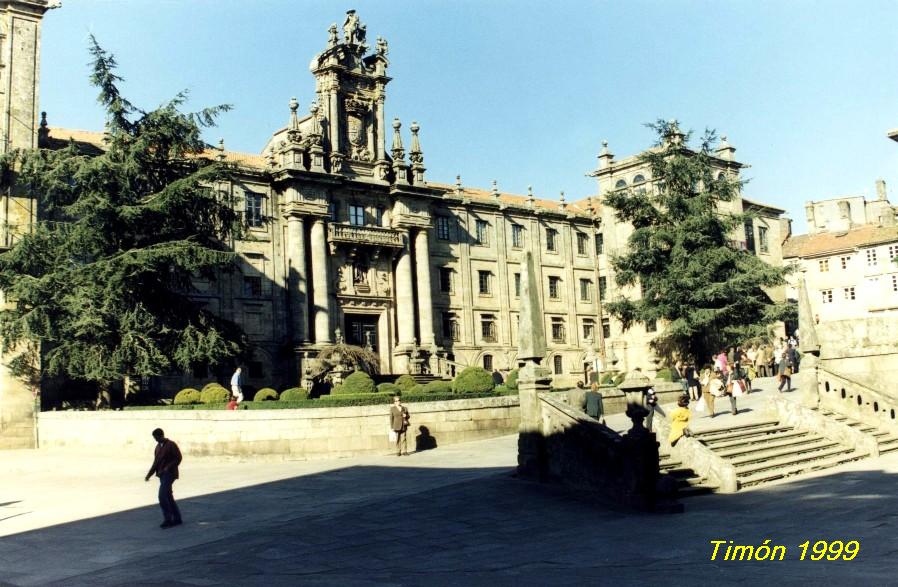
(809,245)
(486,196)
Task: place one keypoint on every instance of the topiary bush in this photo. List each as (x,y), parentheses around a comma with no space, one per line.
(212,385)
(473,380)
(358,382)
(511,382)
(266,394)
(187,397)
(437,386)
(215,395)
(390,388)
(294,394)
(406,382)
(501,388)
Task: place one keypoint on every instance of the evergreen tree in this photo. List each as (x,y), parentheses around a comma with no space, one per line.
(99,288)
(708,293)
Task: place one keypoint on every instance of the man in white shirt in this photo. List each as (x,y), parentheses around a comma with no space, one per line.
(236,385)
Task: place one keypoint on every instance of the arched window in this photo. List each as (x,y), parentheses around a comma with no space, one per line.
(621,183)
(639,179)
(488,362)
(557,364)
(721,176)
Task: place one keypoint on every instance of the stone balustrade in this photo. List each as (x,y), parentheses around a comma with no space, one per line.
(364,235)
(845,394)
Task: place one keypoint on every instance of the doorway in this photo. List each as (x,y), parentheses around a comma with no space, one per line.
(361,330)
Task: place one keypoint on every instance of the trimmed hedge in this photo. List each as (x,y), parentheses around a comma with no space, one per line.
(215,395)
(266,394)
(501,388)
(188,396)
(437,386)
(473,380)
(347,400)
(358,382)
(390,388)
(406,382)
(294,394)
(511,382)
(211,385)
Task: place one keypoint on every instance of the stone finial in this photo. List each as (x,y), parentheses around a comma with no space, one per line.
(725,150)
(561,203)
(495,191)
(43,131)
(809,342)
(458,187)
(530,199)
(672,133)
(332,39)
(880,186)
(397,150)
(415,154)
(293,130)
(531,330)
(316,134)
(606,157)
(221,150)
(382,48)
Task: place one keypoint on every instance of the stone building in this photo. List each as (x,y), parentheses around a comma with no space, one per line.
(349,239)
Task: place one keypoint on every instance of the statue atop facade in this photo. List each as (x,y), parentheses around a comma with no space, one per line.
(382,46)
(332,35)
(353,29)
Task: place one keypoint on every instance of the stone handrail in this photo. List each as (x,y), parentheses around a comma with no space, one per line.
(842,394)
(803,418)
(364,235)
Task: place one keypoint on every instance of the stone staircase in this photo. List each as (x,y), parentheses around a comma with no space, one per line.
(888,441)
(424,379)
(689,483)
(766,451)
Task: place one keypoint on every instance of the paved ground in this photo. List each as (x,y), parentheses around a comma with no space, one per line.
(450,516)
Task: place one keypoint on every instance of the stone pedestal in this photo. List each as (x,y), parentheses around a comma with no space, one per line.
(532,461)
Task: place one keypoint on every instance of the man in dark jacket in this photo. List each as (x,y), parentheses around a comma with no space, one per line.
(166,459)
(399,418)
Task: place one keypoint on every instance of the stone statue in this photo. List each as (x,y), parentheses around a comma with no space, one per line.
(353,30)
(382,46)
(359,274)
(332,35)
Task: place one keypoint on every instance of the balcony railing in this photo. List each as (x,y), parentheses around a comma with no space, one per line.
(364,235)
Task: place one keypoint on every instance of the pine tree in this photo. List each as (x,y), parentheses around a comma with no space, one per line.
(99,288)
(707,293)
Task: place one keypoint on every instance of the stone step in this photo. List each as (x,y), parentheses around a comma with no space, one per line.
(758,438)
(781,472)
(742,427)
(745,433)
(820,446)
(796,443)
(792,461)
(695,490)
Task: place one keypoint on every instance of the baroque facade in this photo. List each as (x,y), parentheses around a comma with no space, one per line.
(349,240)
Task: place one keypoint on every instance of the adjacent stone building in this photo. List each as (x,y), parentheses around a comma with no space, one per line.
(350,240)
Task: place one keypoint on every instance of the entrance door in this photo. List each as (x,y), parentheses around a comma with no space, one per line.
(361,330)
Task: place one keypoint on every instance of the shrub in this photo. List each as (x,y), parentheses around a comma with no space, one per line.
(212,385)
(511,382)
(187,396)
(358,382)
(406,382)
(501,388)
(215,395)
(667,374)
(438,386)
(390,388)
(266,394)
(607,379)
(473,380)
(294,394)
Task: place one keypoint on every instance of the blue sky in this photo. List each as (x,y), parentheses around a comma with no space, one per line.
(524,92)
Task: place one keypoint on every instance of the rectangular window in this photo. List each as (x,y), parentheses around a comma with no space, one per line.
(488,327)
(443,228)
(451,330)
(824,265)
(356,215)
(606,327)
(600,243)
(517,236)
(844,261)
(895,283)
(488,362)
(581,243)
(558,330)
(893,252)
(558,364)
(445,280)
(517,285)
(332,210)
(871,257)
(253,210)
(589,329)
(651,326)
(554,289)
(551,240)
(827,295)
(252,287)
(585,290)
(482,235)
(603,287)
(848,292)
(762,239)
(750,235)
(483,279)
(379,216)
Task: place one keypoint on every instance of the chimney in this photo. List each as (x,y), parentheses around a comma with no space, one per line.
(881,190)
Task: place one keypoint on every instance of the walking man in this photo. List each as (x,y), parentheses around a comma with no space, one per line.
(165,466)
(399,417)
(237,384)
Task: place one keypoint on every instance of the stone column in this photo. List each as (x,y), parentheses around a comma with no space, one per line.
(381,129)
(425,289)
(334,121)
(405,296)
(321,293)
(296,276)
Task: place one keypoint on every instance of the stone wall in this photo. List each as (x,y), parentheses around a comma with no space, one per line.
(307,433)
(865,346)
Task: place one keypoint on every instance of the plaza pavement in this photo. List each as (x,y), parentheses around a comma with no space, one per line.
(454,515)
